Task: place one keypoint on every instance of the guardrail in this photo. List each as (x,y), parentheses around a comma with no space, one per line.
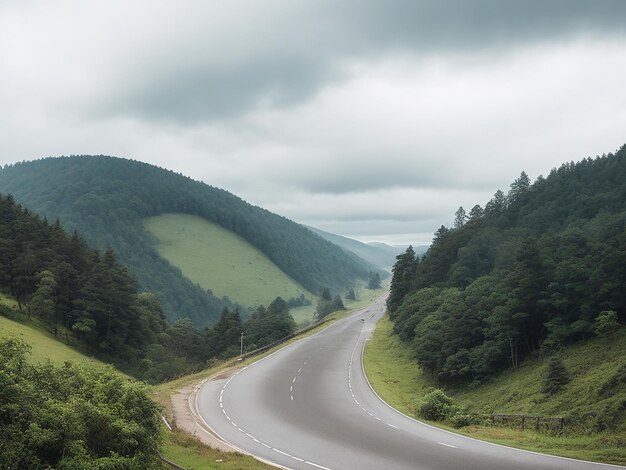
(282,340)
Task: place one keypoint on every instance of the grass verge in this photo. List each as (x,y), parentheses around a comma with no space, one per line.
(185,450)
(398,379)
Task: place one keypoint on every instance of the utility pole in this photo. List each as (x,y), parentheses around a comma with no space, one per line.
(241,345)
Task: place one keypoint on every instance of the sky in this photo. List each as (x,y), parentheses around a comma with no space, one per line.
(371,119)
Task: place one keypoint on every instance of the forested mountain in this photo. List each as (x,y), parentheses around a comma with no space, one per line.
(90,301)
(536,269)
(80,295)
(382,256)
(106,198)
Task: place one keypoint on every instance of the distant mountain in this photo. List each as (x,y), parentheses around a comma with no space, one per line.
(379,254)
(394,250)
(107,199)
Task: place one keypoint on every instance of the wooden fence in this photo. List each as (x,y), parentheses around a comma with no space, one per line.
(529,420)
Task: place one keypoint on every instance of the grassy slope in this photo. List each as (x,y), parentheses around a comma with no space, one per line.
(44,345)
(217,259)
(178,447)
(398,379)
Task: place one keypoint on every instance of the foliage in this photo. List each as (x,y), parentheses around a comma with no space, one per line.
(327,304)
(436,406)
(268,325)
(73,416)
(556,376)
(107,199)
(606,323)
(87,298)
(591,402)
(374,281)
(350,295)
(300,301)
(402,277)
(538,269)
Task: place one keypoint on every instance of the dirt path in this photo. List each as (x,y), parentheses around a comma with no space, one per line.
(187,418)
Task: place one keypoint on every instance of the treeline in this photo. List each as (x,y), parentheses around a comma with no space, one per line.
(90,300)
(73,417)
(231,335)
(535,269)
(107,198)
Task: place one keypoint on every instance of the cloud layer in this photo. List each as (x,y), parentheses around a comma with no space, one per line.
(369,119)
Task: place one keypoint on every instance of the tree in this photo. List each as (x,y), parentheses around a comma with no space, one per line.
(373,281)
(402,275)
(556,376)
(460,217)
(223,339)
(350,295)
(43,301)
(497,204)
(476,212)
(74,416)
(519,187)
(606,323)
(326,304)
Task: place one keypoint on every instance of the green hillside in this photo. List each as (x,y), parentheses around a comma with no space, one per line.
(219,260)
(107,198)
(539,268)
(593,402)
(44,345)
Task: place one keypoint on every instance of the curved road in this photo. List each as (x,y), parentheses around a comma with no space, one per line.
(309,406)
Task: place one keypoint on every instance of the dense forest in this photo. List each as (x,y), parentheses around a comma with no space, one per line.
(535,269)
(91,301)
(106,199)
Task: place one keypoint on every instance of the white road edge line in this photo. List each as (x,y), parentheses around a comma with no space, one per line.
(447,445)
(228,417)
(600,464)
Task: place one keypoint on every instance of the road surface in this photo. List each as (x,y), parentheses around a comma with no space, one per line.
(309,406)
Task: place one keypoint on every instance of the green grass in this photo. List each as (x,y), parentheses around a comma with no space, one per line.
(218,259)
(44,346)
(185,450)
(398,380)
(364,297)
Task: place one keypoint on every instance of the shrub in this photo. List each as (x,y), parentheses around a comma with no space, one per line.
(462,418)
(435,406)
(606,323)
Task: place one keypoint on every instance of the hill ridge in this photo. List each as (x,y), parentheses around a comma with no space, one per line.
(106,198)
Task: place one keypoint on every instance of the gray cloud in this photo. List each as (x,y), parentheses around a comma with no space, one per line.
(366,118)
(282,58)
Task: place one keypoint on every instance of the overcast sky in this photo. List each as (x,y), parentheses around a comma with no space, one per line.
(371,119)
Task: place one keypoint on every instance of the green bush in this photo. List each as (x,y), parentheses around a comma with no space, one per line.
(461,419)
(73,417)
(436,406)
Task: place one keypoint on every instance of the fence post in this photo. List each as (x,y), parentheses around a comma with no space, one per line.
(537,423)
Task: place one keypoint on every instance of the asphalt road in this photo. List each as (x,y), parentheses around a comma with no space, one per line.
(309,406)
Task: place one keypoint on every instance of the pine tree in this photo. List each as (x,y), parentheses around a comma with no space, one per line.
(403,272)
(556,376)
(373,281)
(460,217)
